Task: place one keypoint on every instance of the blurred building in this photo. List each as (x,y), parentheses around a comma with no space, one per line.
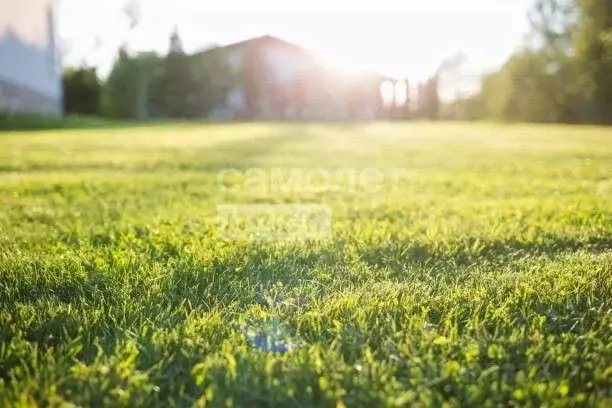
(30,70)
(267,78)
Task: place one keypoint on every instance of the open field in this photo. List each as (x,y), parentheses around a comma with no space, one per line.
(470,265)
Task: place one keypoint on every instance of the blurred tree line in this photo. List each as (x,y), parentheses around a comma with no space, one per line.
(147,85)
(563,74)
(82,90)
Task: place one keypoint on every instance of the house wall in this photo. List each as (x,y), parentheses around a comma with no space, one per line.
(30,69)
(278,81)
(287,69)
(304,89)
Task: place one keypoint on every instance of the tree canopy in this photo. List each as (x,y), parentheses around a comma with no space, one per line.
(562,74)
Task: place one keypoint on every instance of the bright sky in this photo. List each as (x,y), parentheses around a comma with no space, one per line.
(397,38)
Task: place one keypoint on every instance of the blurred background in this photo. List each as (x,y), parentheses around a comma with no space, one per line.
(530,61)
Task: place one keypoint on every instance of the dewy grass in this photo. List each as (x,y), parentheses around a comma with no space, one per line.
(467,265)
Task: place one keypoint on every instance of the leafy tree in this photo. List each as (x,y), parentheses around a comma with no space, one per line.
(82,91)
(180,88)
(119,96)
(193,86)
(214,78)
(523,90)
(123,96)
(564,74)
(175,86)
(552,24)
(593,50)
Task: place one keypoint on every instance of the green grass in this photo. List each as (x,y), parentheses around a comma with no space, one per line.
(26,122)
(483,277)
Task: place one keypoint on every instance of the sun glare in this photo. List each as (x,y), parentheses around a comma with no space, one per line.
(338,66)
(401,93)
(394,93)
(387,91)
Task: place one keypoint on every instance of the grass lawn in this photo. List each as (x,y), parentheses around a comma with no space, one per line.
(468,265)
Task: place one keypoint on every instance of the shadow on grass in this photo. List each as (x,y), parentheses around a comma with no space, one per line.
(469,251)
(237,154)
(233,276)
(16,123)
(227,281)
(29,123)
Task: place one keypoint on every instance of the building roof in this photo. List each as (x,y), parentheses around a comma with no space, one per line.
(270,39)
(254,41)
